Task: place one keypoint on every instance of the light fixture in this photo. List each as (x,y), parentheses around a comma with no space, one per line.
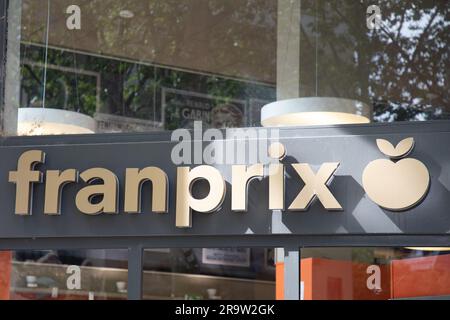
(126,14)
(309,111)
(48,121)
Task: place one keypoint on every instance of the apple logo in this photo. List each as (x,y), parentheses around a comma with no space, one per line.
(396,185)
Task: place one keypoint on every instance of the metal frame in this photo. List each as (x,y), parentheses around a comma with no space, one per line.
(291,243)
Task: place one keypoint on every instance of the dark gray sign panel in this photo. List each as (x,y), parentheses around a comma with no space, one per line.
(354,147)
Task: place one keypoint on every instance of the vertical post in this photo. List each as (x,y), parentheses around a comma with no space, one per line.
(288,86)
(135,258)
(3,37)
(288,49)
(291,274)
(12,74)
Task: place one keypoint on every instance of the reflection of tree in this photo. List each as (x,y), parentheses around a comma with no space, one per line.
(171,31)
(66,90)
(213,36)
(402,68)
(333,47)
(409,74)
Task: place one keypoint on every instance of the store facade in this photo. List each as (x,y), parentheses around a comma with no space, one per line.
(183,194)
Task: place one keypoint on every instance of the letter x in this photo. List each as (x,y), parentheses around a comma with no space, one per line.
(315,186)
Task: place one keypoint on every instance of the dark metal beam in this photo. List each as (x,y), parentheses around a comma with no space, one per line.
(268,241)
(135,256)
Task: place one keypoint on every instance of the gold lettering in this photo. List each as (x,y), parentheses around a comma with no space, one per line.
(241,177)
(108,190)
(24,178)
(55,180)
(276,187)
(185,202)
(315,186)
(276,176)
(133,185)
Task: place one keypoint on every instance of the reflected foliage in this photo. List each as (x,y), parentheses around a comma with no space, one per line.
(409,78)
(401,69)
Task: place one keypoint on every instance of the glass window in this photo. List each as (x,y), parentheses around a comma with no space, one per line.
(145,65)
(63,275)
(128,66)
(397,62)
(209,273)
(375,273)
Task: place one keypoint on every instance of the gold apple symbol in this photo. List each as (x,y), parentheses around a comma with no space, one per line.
(397,185)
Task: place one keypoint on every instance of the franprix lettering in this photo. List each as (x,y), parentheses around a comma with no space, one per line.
(396,184)
(104,184)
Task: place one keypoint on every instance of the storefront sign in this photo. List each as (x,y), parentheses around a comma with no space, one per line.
(321,183)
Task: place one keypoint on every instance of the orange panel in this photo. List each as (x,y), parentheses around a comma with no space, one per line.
(418,277)
(279,280)
(336,280)
(5,274)
(306,273)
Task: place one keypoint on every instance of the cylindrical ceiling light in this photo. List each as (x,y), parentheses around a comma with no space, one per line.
(310,111)
(314,84)
(49,121)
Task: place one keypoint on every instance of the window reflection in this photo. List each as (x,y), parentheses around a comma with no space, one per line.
(209,273)
(170,63)
(401,68)
(374,273)
(63,274)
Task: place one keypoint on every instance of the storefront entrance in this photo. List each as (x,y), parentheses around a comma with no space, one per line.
(115,174)
(256,255)
(332,273)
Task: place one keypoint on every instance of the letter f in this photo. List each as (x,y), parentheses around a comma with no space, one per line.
(24,178)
